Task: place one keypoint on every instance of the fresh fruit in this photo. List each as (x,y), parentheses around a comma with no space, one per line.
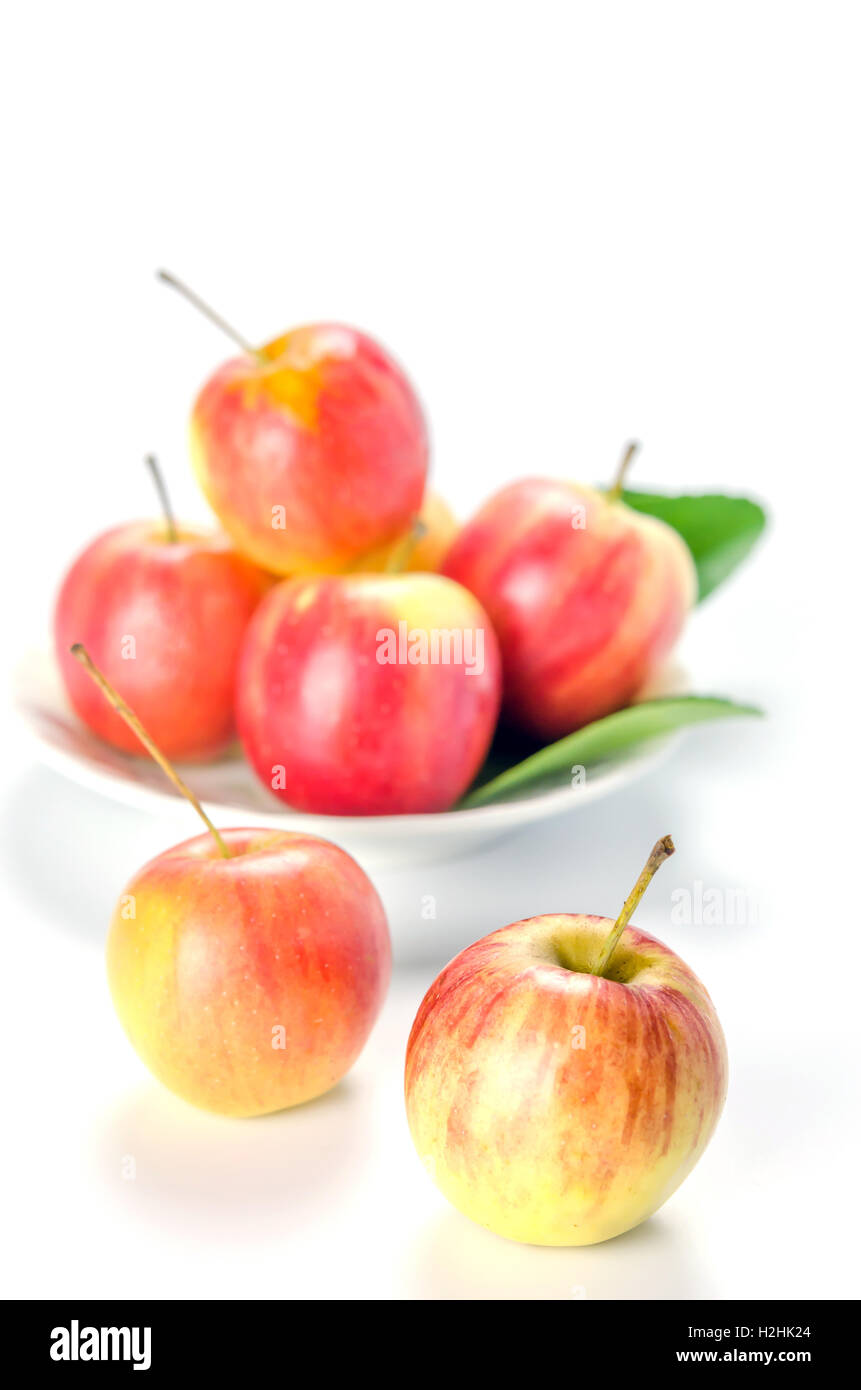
(422,548)
(311,450)
(368,694)
(163,611)
(247,966)
(563,1076)
(587,597)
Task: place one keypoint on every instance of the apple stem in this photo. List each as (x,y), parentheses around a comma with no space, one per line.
(209,313)
(618,483)
(81,654)
(400,556)
(663,849)
(169,522)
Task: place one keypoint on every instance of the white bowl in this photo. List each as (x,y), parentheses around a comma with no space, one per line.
(234,796)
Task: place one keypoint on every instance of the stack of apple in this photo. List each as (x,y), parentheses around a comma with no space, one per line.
(248,965)
(361,646)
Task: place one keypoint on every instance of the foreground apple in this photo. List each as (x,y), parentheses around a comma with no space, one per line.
(163,611)
(368,694)
(587,597)
(250,982)
(311,450)
(247,966)
(563,1076)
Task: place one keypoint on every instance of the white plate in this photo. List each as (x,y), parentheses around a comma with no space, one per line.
(233,795)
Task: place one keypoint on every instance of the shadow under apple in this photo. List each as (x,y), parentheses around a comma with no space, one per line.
(454,1259)
(221,1178)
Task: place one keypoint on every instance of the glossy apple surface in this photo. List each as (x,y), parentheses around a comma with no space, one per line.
(331,727)
(250,983)
(164,620)
(312,452)
(587,596)
(553,1106)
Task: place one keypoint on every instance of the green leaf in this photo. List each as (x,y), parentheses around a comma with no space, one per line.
(551,766)
(720,531)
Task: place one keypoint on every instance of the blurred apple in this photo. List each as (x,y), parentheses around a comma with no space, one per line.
(311,450)
(163,611)
(587,597)
(368,694)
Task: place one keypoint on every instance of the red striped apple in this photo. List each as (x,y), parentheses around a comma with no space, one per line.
(247,966)
(311,450)
(163,612)
(587,597)
(564,1075)
(368,694)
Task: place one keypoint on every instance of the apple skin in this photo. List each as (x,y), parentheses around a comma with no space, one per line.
(426,555)
(286,933)
(331,729)
(539,1139)
(186,604)
(586,613)
(323,424)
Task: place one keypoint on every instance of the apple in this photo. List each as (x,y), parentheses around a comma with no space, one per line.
(587,597)
(420,549)
(311,450)
(368,694)
(163,611)
(249,983)
(564,1075)
(247,966)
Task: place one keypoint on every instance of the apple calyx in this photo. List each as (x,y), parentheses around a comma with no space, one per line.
(209,313)
(662,850)
(80,653)
(169,521)
(614,491)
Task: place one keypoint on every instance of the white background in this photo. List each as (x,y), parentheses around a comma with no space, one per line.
(573,223)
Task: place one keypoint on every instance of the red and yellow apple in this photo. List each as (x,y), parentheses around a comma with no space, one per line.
(312,451)
(555,1096)
(436,528)
(368,694)
(247,966)
(164,619)
(587,597)
(249,983)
